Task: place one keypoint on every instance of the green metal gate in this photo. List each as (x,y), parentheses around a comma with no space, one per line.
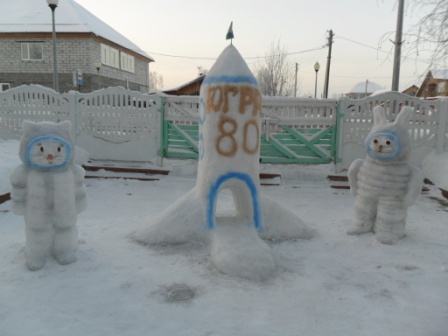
(299,145)
(290,145)
(290,133)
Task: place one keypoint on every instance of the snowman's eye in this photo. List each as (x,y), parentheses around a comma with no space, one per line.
(59,149)
(41,149)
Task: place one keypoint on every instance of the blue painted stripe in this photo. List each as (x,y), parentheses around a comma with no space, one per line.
(229,79)
(213,194)
(43,138)
(393,137)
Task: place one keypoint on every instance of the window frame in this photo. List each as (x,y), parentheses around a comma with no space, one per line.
(1,86)
(110,56)
(127,62)
(25,46)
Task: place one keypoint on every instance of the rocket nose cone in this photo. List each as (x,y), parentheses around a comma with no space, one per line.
(230,67)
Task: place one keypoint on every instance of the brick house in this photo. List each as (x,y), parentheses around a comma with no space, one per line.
(435,84)
(191,88)
(411,91)
(26,49)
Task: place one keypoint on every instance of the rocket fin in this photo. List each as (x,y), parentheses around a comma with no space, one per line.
(280,223)
(178,224)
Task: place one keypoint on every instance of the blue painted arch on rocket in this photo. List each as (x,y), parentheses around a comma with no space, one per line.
(213,194)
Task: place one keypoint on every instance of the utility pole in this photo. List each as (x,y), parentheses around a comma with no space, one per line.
(327,71)
(295,81)
(398,42)
(365,92)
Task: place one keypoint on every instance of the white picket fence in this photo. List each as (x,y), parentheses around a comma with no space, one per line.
(110,124)
(118,124)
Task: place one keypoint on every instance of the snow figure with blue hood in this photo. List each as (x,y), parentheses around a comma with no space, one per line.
(48,190)
(229,150)
(384,184)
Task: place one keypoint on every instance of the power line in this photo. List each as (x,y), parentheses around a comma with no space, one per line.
(248,58)
(380,50)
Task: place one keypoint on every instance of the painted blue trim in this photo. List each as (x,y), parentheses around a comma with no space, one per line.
(43,138)
(229,79)
(202,111)
(381,156)
(213,194)
(201,146)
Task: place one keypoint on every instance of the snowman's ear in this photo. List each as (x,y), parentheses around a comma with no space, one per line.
(379,115)
(27,126)
(65,125)
(404,116)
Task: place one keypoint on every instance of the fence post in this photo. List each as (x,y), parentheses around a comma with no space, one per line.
(163,131)
(71,97)
(442,127)
(339,134)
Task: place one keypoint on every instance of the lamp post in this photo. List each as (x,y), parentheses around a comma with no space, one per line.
(316,68)
(53,4)
(98,68)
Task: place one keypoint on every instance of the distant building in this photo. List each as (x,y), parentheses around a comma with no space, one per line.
(26,49)
(188,89)
(411,91)
(363,89)
(435,84)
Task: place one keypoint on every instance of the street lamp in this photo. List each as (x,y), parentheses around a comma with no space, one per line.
(53,4)
(98,67)
(316,68)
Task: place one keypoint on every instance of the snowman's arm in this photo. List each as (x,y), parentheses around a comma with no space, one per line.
(414,186)
(18,181)
(353,175)
(80,188)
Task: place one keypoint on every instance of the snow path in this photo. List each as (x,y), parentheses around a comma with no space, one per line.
(332,284)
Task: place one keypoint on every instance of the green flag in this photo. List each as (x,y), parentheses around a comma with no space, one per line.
(229,35)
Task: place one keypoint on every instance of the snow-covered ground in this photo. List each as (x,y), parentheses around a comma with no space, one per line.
(332,284)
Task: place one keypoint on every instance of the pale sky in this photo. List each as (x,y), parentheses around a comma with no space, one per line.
(193,34)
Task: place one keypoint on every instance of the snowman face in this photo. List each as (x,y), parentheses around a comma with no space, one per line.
(384,146)
(48,152)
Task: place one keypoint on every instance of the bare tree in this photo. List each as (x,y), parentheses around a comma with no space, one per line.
(275,75)
(429,36)
(431,32)
(155,81)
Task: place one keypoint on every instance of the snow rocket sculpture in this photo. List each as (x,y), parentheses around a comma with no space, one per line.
(384,184)
(48,190)
(229,147)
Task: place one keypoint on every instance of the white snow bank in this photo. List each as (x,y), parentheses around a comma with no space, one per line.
(435,168)
(9,159)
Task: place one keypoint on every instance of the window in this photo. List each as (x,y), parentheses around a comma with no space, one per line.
(127,62)
(4,86)
(109,56)
(31,51)
(441,87)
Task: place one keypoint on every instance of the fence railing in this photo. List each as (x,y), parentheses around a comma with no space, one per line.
(123,125)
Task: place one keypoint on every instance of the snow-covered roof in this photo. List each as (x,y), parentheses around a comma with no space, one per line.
(34,16)
(361,87)
(440,74)
(197,79)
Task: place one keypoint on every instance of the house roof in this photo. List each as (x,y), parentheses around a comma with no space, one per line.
(34,16)
(440,74)
(361,87)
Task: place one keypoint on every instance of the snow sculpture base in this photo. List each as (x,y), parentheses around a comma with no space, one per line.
(255,260)
(235,245)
